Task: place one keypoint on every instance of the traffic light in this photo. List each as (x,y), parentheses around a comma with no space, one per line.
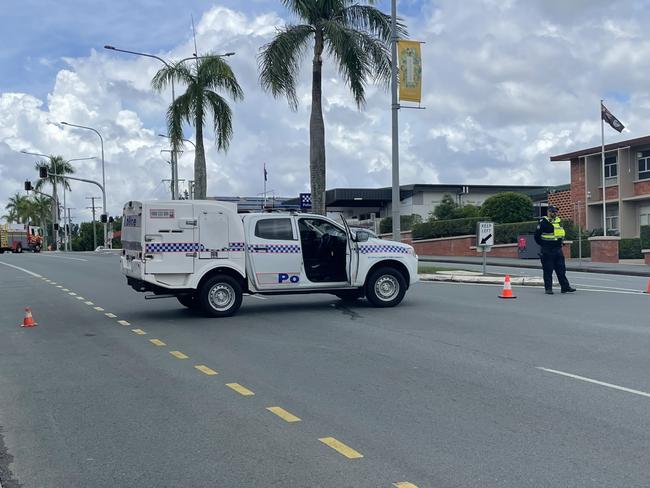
(42,172)
(111,220)
(56,227)
(103,218)
(28,185)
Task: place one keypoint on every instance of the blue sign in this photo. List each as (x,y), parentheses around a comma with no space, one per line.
(305,200)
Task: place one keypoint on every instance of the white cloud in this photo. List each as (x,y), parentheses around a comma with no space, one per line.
(506,85)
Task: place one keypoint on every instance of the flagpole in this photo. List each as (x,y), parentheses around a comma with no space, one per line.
(602,157)
(264,207)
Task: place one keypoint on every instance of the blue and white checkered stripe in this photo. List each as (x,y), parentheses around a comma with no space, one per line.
(235,247)
(379,248)
(175,247)
(275,248)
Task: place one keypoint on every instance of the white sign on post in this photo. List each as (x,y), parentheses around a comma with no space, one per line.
(485,234)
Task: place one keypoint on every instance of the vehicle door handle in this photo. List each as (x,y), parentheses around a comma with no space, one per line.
(190,254)
(259,248)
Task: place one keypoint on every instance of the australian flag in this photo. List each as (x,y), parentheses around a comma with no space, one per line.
(610,119)
(266,174)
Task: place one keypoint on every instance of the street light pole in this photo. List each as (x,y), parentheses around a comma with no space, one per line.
(101,139)
(396,202)
(166,63)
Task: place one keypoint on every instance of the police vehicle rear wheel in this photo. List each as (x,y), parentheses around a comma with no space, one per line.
(188,301)
(220,296)
(385,287)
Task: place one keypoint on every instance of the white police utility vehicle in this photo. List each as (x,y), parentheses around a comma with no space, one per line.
(208,256)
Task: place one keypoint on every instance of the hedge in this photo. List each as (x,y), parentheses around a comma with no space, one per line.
(645,237)
(630,249)
(445,228)
(508,233)
(406,222)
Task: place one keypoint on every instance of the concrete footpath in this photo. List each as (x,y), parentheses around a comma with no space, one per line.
(585,266)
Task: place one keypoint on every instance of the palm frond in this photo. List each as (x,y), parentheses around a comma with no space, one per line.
(279,61)
(215,73)
(371,20)
(165,75)
(353,62)
(180,110)
(304,9)
(221,118)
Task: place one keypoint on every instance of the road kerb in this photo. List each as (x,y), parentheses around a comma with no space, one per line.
(496,280)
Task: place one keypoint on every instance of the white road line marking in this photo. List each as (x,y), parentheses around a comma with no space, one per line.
(61,257)
(605,287)
(519,287)
(21,269)
(596,382)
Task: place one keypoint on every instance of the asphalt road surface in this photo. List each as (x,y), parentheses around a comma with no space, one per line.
(453,388)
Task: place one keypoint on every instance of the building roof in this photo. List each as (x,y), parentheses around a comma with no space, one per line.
(596,149)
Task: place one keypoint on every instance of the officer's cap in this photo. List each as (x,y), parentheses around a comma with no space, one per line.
(552,208)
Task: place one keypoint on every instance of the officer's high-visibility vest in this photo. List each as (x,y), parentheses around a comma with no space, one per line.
(558,231)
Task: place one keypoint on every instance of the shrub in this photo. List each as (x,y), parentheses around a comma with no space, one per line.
(445,210)
(586,248)
(630,248)
(406,222)
(507,207)
(645,237)
(445,228)
(508,233)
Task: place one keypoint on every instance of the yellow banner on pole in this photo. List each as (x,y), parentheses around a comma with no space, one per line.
(410,71)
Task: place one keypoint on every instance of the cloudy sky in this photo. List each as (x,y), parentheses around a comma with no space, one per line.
(507,84)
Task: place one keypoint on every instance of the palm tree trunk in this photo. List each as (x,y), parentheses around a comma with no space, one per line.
(200,171)
(317,131)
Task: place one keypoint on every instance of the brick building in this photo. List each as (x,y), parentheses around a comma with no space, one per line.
(627,186)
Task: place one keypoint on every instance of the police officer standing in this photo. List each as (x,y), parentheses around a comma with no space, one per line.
(549,235)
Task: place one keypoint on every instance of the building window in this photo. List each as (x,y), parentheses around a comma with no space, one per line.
(275,229)
(611,219)
(611,168)
(644,164)
(644,215)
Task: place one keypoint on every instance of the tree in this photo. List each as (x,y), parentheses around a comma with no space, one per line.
(19,208)
(203,79)
(406,222)
(445,210)
(467,211)
(58,166)
(356,36)
(507,207)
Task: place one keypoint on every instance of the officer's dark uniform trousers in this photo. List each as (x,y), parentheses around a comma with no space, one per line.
(549,236)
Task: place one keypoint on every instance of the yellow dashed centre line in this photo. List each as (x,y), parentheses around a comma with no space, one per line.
(123,322)
(404,484)
(341,448)
(138,331)
(157,342)
(206,370)
(240,389)
(99,309)
(111,315)
(89,302)
(79,298)
(64,289)
(53,282)
(59,286)
(72,294)
(283,414)
(178,354)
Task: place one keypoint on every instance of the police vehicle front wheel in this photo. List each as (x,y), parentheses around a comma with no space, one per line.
(385,287)
(220,296)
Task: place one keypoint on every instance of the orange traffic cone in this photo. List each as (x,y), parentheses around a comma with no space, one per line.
(647,290)
(28,321)
(507,289)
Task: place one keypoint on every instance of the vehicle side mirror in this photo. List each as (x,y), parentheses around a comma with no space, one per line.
(362,236)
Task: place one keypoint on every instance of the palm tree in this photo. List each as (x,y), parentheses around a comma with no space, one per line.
(203,79)
(55,165)
(356,36)
(19,209)
(42,210)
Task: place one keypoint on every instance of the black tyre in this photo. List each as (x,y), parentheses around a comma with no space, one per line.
(188,301)
(220,296)
(19,249)
(349,295)
(36,249)
(385,287)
